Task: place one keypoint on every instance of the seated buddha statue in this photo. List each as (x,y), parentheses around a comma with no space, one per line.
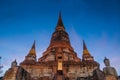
(14,64)
(108,70)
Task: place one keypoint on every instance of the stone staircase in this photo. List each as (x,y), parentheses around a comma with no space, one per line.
(59,77)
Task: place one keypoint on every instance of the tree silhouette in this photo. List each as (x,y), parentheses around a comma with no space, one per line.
(0,67)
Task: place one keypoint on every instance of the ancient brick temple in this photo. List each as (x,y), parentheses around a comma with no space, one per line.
(60,62)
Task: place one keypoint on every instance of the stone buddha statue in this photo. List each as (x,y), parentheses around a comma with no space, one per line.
(108,70)
(14,64)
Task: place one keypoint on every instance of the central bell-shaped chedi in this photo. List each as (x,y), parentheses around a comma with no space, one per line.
(60,51)
(60,46)
(60,37)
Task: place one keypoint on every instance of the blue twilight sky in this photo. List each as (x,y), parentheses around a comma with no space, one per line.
(95,21)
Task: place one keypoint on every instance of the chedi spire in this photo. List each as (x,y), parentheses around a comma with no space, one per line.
(60,25)
(86,55)
(32,50)
(85,50)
